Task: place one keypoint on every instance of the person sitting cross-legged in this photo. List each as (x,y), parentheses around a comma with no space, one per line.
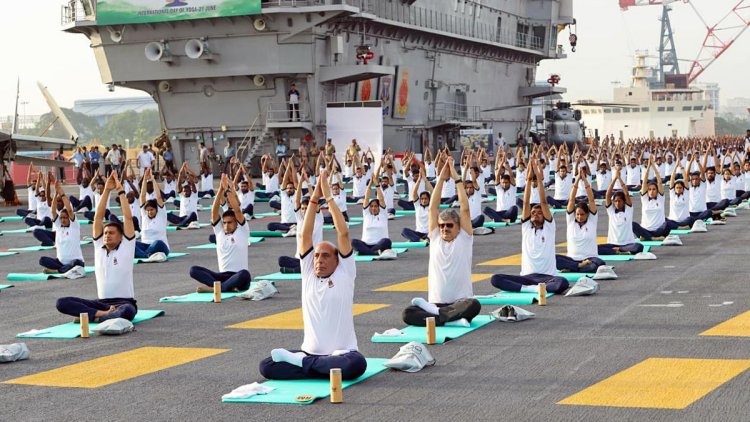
(375,237)
(537,245)
(421,211)
(153,222)
(232,234)
(507,210)
(654,225)
(66,237)
(450,295)
(328,274)
(620,237)
(114,249)
(288,264)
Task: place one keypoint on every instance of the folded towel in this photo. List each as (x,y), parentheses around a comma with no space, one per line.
(248,390)
(174,297)
(393,332)
(33,332)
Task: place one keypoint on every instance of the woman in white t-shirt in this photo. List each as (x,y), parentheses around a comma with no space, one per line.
(421,213)
(620,237)
(375,239)
(582,255)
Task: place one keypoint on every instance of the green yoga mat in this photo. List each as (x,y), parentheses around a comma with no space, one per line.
(252,240)
(280,276)
(73,330)
(175,228)
(7,253)
(442,334)
(16,231)
(5,286)
(267,214)
(11,218)
(617,258)
(360,219)
(170,256)
(351,224)
(405,212)
(493,224)
(287,391)
(650,243)
(510,298)
(370,258)
(680,231)
(39,276)
(573,277)
(43,248)
(409,245)
(198,297)
(266,234)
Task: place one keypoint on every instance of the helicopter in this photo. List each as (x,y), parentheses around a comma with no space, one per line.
(561,124)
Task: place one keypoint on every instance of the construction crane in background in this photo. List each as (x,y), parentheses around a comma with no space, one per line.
(719,37)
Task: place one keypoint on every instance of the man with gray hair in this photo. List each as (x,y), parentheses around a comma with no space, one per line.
(450,294)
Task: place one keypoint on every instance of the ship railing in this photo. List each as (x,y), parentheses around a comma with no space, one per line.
(303,3)
(77,10)
(282,112)
(447,111)
(469,27)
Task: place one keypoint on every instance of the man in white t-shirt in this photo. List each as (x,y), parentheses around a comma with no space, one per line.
(232,240)
(188,200)
(328,275)
(288,223)
(450,297)
(653,224)
(506,208)
(288,264)
(153,223)
(145,159)
(243,181)
(537,245)
(620,237)
(114,248)
(66,237)
(563,186)
(375,239)
(421,211)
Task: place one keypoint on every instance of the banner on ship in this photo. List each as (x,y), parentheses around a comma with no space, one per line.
(476,138)
(118,12)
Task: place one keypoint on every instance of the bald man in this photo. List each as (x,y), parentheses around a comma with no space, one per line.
(328,275)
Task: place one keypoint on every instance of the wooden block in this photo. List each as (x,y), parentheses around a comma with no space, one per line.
(430,324)
(84,317)
(217,291)
(542,294)
(337,395)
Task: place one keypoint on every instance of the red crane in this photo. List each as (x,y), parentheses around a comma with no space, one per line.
(719,37)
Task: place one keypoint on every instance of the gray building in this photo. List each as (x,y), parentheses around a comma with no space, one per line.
(435,65)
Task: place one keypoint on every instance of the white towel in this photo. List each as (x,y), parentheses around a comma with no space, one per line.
(248,390)
(33,332)
(393,332)
(174,297)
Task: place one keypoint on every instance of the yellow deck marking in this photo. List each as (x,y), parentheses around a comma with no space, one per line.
(738,326)
(115,368)
(420,284)
(292,320)
(660,383)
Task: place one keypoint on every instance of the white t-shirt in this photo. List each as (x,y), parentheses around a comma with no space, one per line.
(327,307)
(620,230)
(449,271)
(359,186)
(207,182)
(340,200)
(429,170)
(729,188)
(582,238)
(538,248)
(746,182)
(231,249)
(563,187)
(67,241)
(271,183)
(713,190)
(287,208)
(652,211)
(697,197)
(506,198)
(246,198)
(449,189)
(679,205)
(317,235)
(43,209)
(32,198)
(603,180)
(475,205)
(374,227)
(520,178)
(114,269)
(633,176)
(387,196)
(170,186)
(84,191)
(153,229)
(188,204)
(411,182)
(422,215)
(145,159)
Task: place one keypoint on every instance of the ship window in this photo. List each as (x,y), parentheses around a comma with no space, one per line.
(670,108)
(686,108)
(615,110)
(698,108)
(499,35)
(645,109)
(607,110)
(626,110)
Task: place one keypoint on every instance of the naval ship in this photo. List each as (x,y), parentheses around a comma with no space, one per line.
(222,70)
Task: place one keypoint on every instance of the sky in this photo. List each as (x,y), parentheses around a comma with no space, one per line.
(35,49)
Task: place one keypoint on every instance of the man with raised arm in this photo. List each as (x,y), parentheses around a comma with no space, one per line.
(537,244)
(450,294)
(153,222)
(114,249)
(232,234)
(328,275)
(619,206)
(66,237)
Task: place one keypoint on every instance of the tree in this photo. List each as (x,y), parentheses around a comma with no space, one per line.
(728,124)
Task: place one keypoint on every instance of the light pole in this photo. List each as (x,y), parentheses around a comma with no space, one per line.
(23,103)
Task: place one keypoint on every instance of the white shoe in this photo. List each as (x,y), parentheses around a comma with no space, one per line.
(672,240)
(137,235)
(292,232)
(455,204)
(75,273)
(387,255)
(699,226)
(411,357)
(262,289)
(584,287)
(729,213)
(157,257)
(743,206)
(483,231)
(713,222)
(644,256)
(194,225)
(275,198)
(605,272)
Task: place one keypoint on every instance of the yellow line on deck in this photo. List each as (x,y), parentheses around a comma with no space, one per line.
(515,260)
(292,320)
(738,326)
(660,383)
(420,284)
(115,368)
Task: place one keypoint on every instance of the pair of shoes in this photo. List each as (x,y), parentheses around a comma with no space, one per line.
(388,254)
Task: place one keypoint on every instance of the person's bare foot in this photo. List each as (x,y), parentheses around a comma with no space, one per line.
(49,271)
(658,238)
(505,220)
(584,263)
(203,289)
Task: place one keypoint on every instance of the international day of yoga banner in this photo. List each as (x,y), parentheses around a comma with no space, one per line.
(117,12)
